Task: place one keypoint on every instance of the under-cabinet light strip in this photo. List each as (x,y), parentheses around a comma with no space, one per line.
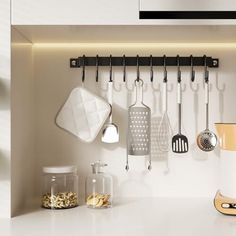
(129,45)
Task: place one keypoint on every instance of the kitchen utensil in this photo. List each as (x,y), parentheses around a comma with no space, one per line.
(179,141)
(110,133)
(207,139)
(139,121)
(164,134)
(225,205)
(225,199)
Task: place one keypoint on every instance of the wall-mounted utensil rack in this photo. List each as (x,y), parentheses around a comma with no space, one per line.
(143,61)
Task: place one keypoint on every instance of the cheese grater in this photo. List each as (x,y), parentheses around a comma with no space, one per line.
(139,122)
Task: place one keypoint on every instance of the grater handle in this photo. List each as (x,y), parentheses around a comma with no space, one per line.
(127,162)
(139,92)
(150,162)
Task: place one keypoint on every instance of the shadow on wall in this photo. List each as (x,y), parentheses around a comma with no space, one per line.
(4,165)
(4,105)
(4,94)
(197,154)
(135,183)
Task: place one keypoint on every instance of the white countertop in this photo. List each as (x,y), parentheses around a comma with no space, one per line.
(139,217)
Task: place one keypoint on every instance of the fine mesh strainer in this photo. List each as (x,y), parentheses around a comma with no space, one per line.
(139,115)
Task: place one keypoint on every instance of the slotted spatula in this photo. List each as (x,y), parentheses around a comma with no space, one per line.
(179,141)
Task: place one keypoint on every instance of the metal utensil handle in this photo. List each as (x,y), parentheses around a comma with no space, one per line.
(179,98)
(109,98)
(207,103)
(127,161)
(139,91)
(164,105)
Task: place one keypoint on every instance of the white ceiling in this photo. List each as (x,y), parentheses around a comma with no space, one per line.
(124,34)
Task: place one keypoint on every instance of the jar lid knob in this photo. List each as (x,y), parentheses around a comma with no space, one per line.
(96,166)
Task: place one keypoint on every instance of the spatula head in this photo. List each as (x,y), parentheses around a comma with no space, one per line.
(179,143)
(110,133)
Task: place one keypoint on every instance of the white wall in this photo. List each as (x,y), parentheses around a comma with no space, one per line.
(5,142)
(192,175)
(23,164)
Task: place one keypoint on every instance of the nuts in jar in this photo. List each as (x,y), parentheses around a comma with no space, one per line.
(97,200)
(61,200)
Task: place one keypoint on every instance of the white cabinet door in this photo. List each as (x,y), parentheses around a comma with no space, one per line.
(74,12)
(5,139)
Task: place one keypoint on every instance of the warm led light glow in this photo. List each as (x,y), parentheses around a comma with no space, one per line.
(128,45)
(134,45)
(21,44)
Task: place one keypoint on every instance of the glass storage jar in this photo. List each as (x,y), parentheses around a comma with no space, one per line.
(60,187)
(99,187)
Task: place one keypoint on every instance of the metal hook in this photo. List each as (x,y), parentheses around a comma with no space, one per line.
(206,72)
(110,76)
(110,79)
(192,77)
(151,77)
(124,69)
(151,69)
(178,68)
(125,78)
(145,87)
(97,68)
(165,70)
(169,89)
(210,85)
(183,87)
(138,72)
(192,70)
(83,71)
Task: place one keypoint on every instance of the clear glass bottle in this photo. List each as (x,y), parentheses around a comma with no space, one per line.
(99,187)
(60,187)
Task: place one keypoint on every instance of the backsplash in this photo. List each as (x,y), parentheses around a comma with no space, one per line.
(194,174)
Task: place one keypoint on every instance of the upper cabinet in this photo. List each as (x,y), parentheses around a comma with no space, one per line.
(74,12)
(123,12)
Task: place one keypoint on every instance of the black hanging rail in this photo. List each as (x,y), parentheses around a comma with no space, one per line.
(143,61)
